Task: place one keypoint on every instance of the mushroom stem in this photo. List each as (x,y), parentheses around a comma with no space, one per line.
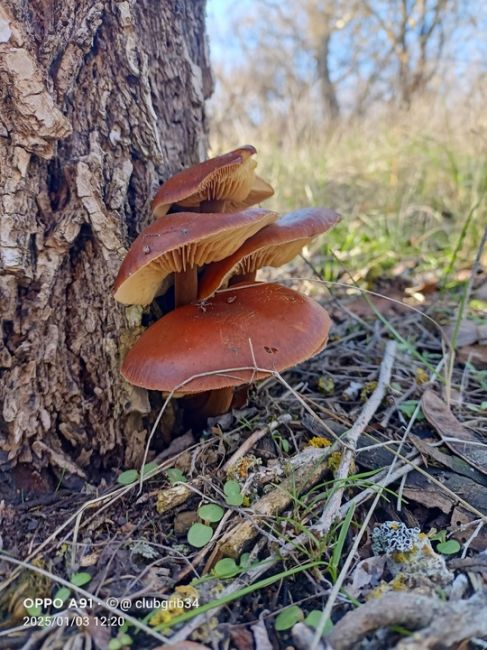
(245,277)
(218,402)
(240,396)
(185,286)
(200,406)
(212,206)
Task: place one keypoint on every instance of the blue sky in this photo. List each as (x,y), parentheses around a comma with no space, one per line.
(464,57)
(218,13)
(468,51)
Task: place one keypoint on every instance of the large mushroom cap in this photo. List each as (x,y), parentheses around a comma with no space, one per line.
(229,177)
(179,241)
(274,245)
(272,324)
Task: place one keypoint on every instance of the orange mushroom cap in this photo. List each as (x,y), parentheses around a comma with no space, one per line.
(274,245)
(229,177)
(180,241)
(274,325)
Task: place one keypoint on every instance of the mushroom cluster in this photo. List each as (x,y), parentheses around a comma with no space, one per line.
(226,330)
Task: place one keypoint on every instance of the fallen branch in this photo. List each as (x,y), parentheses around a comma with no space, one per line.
(270,505)
(445,623)
(332,507)
(254,438)
(410,610)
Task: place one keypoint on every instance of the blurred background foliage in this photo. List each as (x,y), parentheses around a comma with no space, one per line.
(373,107)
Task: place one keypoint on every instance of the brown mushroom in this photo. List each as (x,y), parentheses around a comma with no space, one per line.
(215,344)
(179,243)
(226,183)
(274,245)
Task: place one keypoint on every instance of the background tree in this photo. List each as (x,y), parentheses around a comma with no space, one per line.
(415,32)
(100,101)
(316,61)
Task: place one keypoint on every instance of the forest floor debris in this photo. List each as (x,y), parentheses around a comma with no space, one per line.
(361,435)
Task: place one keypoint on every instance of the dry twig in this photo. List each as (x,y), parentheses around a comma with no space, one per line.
(332,507)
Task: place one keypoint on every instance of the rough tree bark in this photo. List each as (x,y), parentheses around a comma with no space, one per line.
(100,101)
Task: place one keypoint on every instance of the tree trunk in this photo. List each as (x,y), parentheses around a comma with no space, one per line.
(328,90)
(100,101)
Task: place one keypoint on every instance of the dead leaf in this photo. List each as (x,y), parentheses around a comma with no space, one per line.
(475,354)
(470,446)
(462,526)
(455,463)
(90,560)
(366,575)
(420,489)
(478,563)
(242,638)
(183,521)
(481,292)
(468,332)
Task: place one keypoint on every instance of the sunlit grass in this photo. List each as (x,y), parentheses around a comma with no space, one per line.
(405,188)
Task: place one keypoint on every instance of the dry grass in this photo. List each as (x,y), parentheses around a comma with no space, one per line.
(405,183)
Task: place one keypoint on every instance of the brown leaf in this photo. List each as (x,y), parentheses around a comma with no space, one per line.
(420,489)
(477,563)
(242,638)
(481,292)
(476,354)
(462,527)
(468,332)
(455,463)
(366,575)
(442,419)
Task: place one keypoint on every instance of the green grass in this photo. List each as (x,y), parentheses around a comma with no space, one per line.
(410,190)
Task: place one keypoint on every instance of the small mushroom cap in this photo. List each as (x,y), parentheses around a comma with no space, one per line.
(180,241)
(229,177)
(274,325)
(259,191)
(274,245)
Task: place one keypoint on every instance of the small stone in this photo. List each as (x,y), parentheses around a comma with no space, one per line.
(184,520)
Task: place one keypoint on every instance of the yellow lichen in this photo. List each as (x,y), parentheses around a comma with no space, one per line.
(367,390)
(187,592)
(164,616)
(399,583)
(334,460)
(422,376)
(319,442)
(240,470)
(207,632)
(326,385)
(401,557)
(379,591)
(183,598)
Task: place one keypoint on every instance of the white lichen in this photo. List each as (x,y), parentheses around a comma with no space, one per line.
(394,536)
